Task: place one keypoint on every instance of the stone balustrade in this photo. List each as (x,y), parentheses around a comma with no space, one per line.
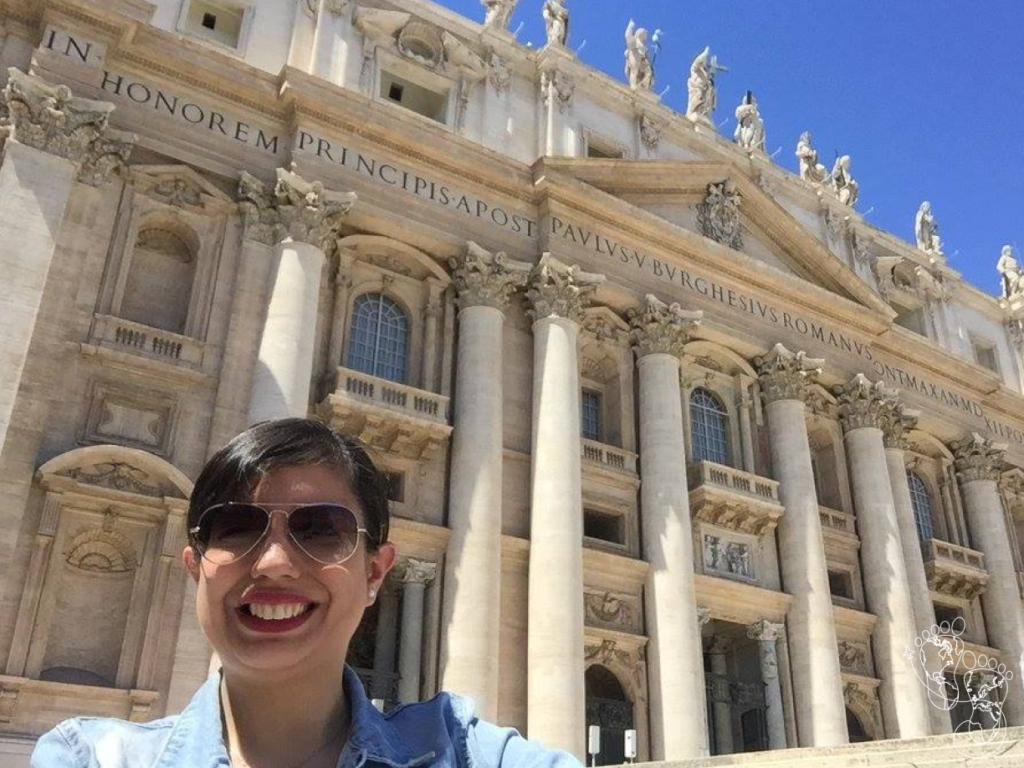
(608,457)
(833,519)
(136,338)
(387,415)
(733,498)
(954,570)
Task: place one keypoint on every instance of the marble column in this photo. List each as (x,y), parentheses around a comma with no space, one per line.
(675,661)
(766,633)
(978,464)
(920,594)
(865,408)
(415,576)
(471,621)
(555,679)
(385,643)
(52,140)
(720,696)
(299,218)
(820,710)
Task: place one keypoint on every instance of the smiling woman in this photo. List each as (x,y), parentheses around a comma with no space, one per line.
(288,545)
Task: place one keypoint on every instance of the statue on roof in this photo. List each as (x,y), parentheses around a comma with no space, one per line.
(749,126)
(843,184)
(810,169)
(640,57)
(1009,271)
(926,229)
(498,12)
(703,94)
(556,21)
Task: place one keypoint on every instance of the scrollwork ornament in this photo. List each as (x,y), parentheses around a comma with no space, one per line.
(295,208)
(718,216)
(660,328)
(650,131)
(487,279)
(784,375)
(978,458)
(559,290)
(51,119)
(865,404)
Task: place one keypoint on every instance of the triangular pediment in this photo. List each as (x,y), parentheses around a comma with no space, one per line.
(768,233)
(182,187)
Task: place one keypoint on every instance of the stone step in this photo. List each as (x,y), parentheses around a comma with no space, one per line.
(932,752)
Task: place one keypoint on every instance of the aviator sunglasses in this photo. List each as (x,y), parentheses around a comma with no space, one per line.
(327,532)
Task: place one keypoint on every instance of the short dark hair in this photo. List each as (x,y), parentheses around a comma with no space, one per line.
(233,473)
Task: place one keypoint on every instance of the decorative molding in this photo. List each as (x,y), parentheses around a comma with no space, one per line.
(483,278)
(865,404)
(294,208)
(651,130)
(611,609)
(499,73)
(117,476)
(411,571)
(978,458)
(718,216)
(784,375)
(660,328)
(853,657)
(559,290)
(558,85)
(51,119)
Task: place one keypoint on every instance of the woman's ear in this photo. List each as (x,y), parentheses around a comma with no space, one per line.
(378,564)
(188,557)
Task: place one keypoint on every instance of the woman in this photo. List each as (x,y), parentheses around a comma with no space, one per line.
(288,544)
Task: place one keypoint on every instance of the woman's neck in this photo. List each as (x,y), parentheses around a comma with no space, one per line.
(280,723)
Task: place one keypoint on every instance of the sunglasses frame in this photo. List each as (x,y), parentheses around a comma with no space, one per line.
(285,509)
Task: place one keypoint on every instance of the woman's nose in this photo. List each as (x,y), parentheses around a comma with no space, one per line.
(277,555)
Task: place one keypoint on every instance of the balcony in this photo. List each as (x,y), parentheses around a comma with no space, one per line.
(608,460)
(732,498)
(393,418)
(138,339)
(954,570)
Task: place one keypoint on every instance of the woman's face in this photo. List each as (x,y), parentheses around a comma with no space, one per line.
(279,578)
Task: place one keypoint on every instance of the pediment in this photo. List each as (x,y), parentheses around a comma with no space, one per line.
(182,187)
(768,233)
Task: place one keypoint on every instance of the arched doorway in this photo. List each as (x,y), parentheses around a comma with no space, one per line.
(856,729)
(609,707)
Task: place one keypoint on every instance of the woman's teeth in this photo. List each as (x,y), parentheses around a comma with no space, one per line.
(278,612)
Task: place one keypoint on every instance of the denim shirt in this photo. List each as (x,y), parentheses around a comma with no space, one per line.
(440,733)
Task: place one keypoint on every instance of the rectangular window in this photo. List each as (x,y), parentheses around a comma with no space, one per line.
(591,417)
(603,526)
(414,97)
(603,150)
(911,319)
(218,20)
(946,613)
(396,486)
(985,354)
(840,584)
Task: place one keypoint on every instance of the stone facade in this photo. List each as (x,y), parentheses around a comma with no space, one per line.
(678,443)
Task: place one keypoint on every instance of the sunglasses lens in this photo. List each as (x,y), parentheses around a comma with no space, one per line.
(327,532)
(228,531)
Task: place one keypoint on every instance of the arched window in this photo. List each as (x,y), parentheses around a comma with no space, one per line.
(921,502)
(710,428)
(378,341)
(158,288)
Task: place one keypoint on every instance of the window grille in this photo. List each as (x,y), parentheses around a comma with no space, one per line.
(591,417)
(710,428)
(921,502)
(379,338)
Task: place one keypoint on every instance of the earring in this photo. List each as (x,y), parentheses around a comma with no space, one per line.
(373,593)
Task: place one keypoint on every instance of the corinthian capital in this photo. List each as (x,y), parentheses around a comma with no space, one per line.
(764,630)
(485,279)
(863,403)
(559,290)
(977,458)
(49,118)
(416,572)
(295,208)
(660,328)
(900,421)
(784,375)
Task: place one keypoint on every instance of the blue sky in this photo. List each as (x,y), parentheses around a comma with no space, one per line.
(927,97)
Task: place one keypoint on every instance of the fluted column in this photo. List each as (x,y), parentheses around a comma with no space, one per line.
(865,408)
(766,633)
(720,696)
(920,594)
(675,661)
(51,139)
(298,218)
(415,576)
(472,581)
(820,709)
(556,696)
(978,464)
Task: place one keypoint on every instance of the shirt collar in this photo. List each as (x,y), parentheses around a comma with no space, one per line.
(374,734)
